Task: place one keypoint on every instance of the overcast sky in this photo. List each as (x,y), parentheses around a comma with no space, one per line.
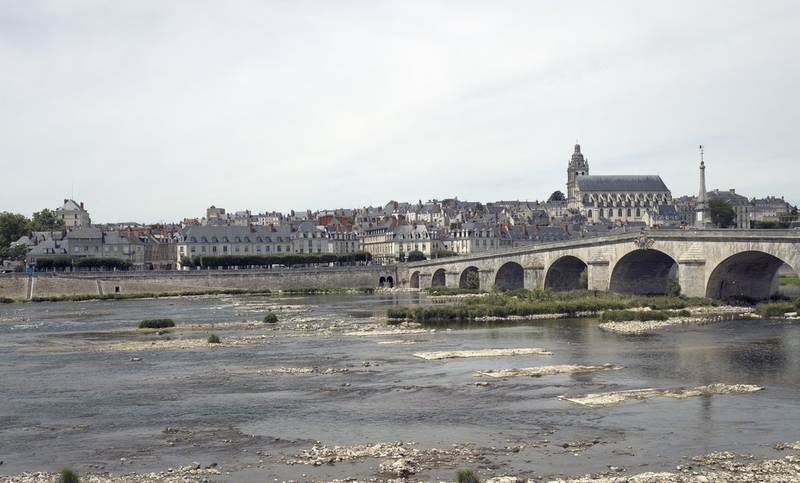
(152,111)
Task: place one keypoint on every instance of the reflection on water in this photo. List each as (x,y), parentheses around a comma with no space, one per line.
(65,404)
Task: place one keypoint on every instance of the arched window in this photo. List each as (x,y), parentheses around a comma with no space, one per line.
(629,213)
(638,212)
(619,212)
(589,214)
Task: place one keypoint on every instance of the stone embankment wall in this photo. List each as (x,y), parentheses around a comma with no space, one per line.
(20,286)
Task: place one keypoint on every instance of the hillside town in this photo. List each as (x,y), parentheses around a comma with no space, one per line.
(593,206)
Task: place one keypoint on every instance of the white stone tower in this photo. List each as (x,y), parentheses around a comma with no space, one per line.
(702,213)
(578,166)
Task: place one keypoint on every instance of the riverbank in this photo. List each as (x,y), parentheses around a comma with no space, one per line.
(720,467)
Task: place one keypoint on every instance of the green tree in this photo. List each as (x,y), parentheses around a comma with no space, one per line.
(415,256)
(583,279)
(12,227)
(18,252)
(45,220)
(473,281)
(556,196)
(722,213)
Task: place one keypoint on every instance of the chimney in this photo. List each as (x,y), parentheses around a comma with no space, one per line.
(732,191)
(716,191)
(566,228)
(65,201)
(81,204)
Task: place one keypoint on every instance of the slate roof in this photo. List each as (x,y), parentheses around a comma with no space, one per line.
(627,183)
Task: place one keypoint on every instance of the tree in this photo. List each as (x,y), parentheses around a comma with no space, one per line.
(45,220)
(722,213)
(556,196)
(415,256)
(12,227)
(473,281)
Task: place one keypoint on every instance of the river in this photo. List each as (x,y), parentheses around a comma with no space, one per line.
(80,387)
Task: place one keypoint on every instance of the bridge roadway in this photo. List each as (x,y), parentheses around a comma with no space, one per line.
(718,264)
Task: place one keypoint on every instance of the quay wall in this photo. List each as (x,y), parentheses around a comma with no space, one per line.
(21,286)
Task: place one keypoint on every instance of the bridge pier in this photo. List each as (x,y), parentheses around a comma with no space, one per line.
(452,279)
(425,280)
(691,276)
(599,275)
(534,277)
(486,279)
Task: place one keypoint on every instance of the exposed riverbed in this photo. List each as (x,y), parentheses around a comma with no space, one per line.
(331,392)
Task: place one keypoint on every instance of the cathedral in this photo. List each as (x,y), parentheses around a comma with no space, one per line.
(619,199)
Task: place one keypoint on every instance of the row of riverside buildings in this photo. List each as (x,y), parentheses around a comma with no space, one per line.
(594,205)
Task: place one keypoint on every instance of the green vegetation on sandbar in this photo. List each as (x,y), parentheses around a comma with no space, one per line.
(326,290)
(156,323)
(150,295)
(466,476)
(523,303)
(777,308)
(68,475)
(442,290)
(214,339)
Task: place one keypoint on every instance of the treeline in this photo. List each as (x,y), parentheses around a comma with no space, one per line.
(62,263)
(269,261)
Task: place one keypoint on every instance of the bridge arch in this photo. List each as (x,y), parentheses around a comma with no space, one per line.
(463,281)
(643,272)
(413,280)
(510,276)
(750,275)
(565,274)
(439,278)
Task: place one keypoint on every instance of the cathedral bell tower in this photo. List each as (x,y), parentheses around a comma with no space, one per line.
(578,166)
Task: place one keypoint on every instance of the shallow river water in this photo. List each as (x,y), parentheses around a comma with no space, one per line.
(67,400)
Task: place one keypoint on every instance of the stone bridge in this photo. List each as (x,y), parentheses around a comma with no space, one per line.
(718,264)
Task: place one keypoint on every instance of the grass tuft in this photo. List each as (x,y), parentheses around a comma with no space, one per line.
(466,476)
(68,475)
(214,339)
(156,323)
